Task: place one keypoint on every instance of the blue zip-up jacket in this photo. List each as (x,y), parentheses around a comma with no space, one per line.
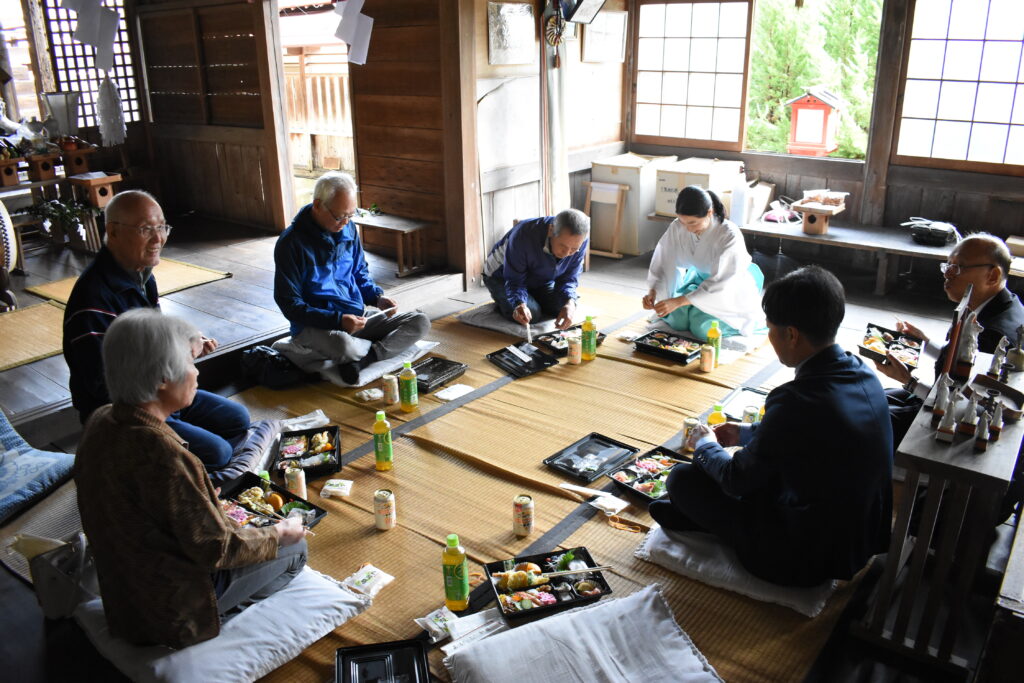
(527,265)
(320,276)
(103,291)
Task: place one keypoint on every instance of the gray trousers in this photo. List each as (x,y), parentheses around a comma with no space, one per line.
(249,584)
(391,336)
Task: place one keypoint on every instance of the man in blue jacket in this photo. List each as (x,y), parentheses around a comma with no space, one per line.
(533,271)
(323,286)
(808,497)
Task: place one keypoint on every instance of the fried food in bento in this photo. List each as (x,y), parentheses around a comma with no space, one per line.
(253,499)
(320,442)
(514,581)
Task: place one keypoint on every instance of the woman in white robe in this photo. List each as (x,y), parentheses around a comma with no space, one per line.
(702,262)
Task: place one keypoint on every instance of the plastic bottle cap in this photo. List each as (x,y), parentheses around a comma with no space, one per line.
(714,324)
(453,540)
(590,317)
(381,415)
(407,364)
(718,407)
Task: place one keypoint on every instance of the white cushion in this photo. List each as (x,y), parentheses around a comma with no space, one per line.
(704,558)
(634,638)
(250,645)
(488,317)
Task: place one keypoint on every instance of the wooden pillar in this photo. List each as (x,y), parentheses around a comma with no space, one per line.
(886,107)
(277,159)
(461,167)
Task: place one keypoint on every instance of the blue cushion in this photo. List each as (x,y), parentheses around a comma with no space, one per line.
(26,473)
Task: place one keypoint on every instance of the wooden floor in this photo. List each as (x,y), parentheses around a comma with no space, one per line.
(238,311)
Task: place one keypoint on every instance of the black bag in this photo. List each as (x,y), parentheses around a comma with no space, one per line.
(263,365)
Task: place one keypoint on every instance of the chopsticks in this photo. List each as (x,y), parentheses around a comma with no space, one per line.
(587,570)
(272,515)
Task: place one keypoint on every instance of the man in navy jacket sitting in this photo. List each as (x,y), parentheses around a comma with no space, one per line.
(323,286)
(808,497)
(532,272)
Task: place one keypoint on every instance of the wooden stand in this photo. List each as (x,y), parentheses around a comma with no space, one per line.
(9,171)
(99,187)
(408,239)
(618,199)
(40,166)
(817,216)
(76,160)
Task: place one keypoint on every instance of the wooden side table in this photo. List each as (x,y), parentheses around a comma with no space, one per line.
(960,507)
(408,235)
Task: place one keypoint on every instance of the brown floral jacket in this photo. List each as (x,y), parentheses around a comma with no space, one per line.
(157,532)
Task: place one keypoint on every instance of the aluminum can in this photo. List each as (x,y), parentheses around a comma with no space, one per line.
(522,515)
(384,515)
(707,358)
(751,414)
(295,481)
(575,349)
(688,425)
(389,384)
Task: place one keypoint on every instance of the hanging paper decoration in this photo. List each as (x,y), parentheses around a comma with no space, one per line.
(109,116)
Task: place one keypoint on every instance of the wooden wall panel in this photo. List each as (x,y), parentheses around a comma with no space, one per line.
(400,111)
(388,13)
(405,44)
(403,174)
(402,143)
(397,78)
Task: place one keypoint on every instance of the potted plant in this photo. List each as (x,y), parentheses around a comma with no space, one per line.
(62,218)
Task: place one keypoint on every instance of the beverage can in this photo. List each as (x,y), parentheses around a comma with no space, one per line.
(575,350)
(751,414)
(707,358)
(389,384)
(384,515)
(522,515)
(295,481)
(688,425)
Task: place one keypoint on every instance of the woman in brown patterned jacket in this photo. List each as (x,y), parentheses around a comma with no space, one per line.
(171,564)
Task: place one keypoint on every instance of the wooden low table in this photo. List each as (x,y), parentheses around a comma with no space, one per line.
(408,239)
(965,489)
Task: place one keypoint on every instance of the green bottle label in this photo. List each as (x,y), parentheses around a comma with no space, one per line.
(589,342)
(382,447)
(456,582)
(407,392)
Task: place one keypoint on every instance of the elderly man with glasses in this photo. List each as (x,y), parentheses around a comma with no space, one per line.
(323,286)
(120,279)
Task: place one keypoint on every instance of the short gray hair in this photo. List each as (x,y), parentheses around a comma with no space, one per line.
(331,183)
(573,221)
(142,349)
(123,202)
(998,252)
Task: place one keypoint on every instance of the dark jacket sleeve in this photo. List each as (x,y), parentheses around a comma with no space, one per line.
(751,467)
(566,283)
(517,265)
(292,267)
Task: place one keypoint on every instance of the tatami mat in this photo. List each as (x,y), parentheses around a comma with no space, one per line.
(31,334)
(55,517)
(171,276)
(744,639)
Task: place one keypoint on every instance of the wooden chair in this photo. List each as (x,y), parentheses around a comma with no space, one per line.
(605,193)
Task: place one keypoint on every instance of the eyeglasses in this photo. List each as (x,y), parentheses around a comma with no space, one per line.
(343,218)
(954,269)
(148,231)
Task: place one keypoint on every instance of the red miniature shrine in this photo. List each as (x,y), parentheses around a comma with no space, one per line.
(813,123)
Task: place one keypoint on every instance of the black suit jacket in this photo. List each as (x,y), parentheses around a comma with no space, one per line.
(815,481)
(1000,318)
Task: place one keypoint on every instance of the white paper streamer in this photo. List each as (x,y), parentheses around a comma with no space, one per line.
(109,116)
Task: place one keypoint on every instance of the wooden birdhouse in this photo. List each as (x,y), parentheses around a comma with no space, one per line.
(813,123)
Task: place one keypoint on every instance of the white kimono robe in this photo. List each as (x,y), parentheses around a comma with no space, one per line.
(729,293)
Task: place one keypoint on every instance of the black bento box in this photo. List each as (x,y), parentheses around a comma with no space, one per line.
(642,479)
(879,340)
(398,660)
(434,372)
(669,345)
(248,480)
(558,345)
(313,471)
(563,598)
(516,366)
(591,456)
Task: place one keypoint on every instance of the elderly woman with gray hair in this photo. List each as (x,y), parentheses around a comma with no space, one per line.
(532,272)
(171,564)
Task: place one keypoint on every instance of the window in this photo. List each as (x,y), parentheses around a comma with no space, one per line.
(691,78)
(963,92)
(74,64)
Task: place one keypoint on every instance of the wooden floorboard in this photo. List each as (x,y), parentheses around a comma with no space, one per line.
(227,308)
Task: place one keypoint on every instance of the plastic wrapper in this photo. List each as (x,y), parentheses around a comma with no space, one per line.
(437,623)
(367,395)
(336,488)
(368,580)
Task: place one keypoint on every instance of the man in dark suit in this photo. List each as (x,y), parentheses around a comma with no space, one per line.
(808,497)
(981,260)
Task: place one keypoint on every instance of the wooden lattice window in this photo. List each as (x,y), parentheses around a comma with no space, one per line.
(74,64)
